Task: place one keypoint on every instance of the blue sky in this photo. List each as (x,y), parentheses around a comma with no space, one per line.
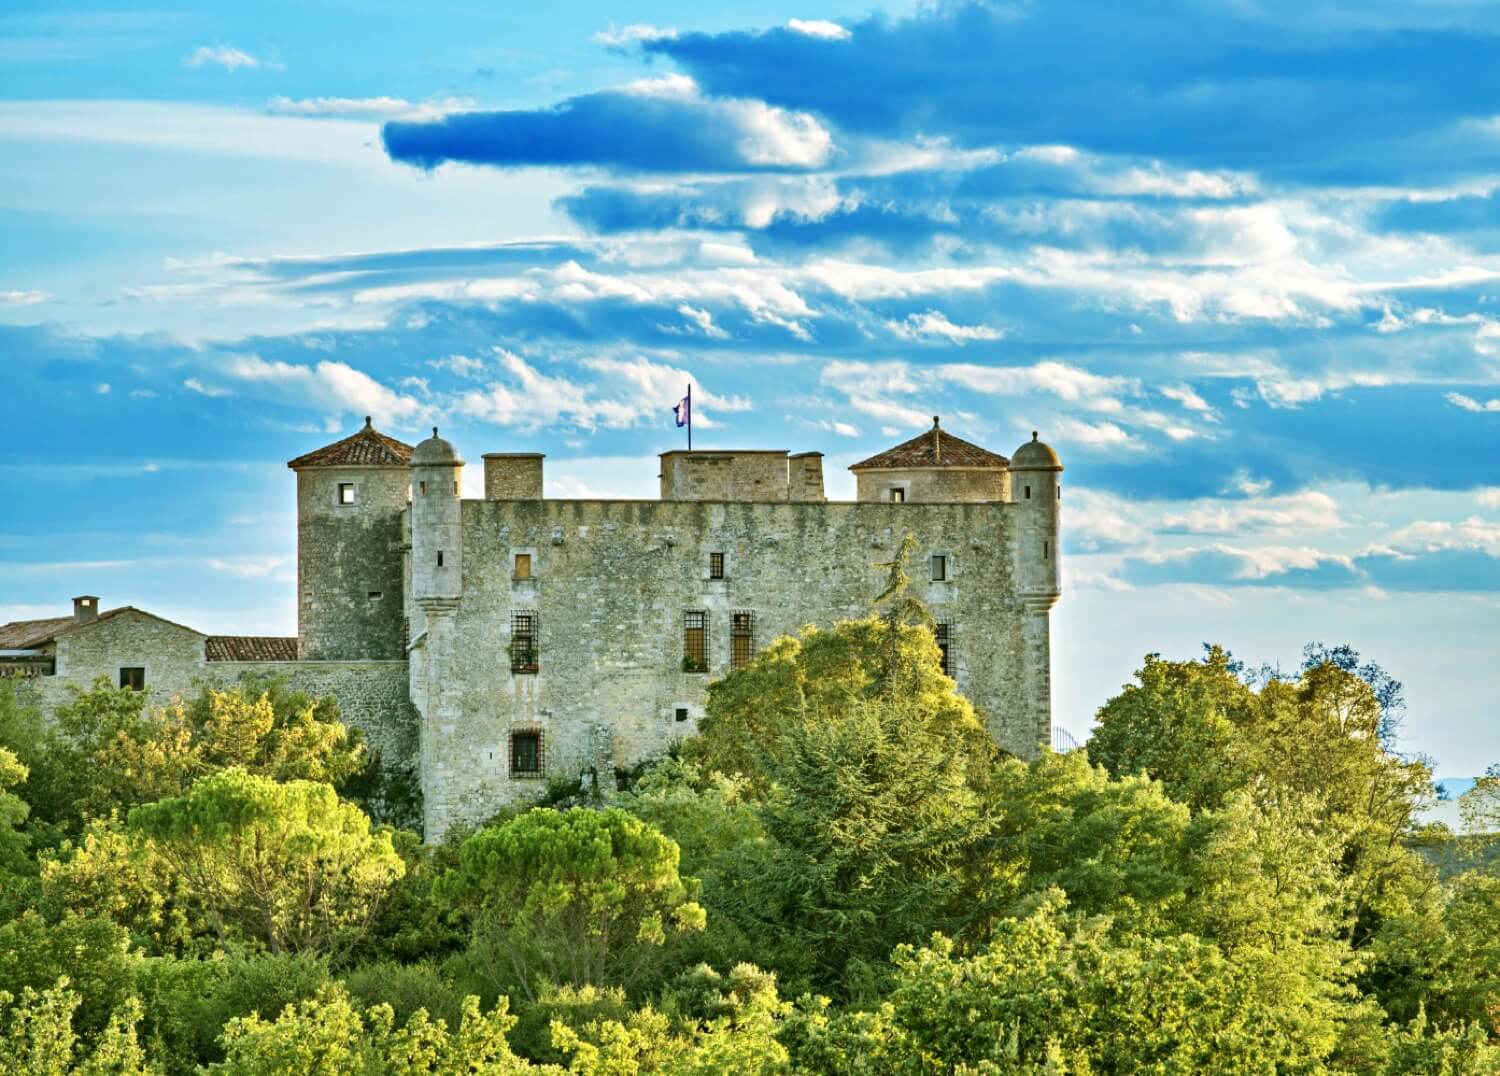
(1239,262)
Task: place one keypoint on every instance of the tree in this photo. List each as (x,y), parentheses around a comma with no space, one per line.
(288,866)
(15,865)
(569,897)
(1479,807)
(37,1037)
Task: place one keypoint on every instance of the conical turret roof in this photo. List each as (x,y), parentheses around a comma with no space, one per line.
(367,448)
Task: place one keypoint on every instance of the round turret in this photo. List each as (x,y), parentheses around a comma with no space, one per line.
(1035,455)
(436,521)
(435,452)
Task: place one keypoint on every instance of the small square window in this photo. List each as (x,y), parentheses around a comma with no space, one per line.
(523,565)
(939,567)
(716,565)
(682,713)
(374,595)
(346,493)
(898,495)
(526,754)
(133,677)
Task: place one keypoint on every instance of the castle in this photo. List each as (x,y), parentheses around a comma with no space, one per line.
(493,643)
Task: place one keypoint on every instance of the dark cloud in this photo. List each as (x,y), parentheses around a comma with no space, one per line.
(672,131)
(1204,83)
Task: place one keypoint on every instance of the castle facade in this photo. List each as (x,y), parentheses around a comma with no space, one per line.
(494,643)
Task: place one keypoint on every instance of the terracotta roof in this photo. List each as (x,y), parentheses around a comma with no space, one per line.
(24,634)
(934,448)
(367,448)
(249,648)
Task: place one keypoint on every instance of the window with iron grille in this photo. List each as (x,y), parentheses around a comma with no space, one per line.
(741,639)
(716,565)
(695,641)
(943,630)
(525,651)
(133,678)
(526,757)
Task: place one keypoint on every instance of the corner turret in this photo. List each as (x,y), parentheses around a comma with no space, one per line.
(437,555)
(1036,492)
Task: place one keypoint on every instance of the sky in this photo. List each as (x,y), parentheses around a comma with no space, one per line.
(1237,261)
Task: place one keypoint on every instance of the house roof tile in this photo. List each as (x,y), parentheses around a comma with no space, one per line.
(933,448)
(367,448)
(250,648)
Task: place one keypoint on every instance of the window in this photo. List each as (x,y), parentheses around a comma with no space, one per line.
(523,565)
(374,595)
(939,567)
(455,487)
(526,758)
(422,488)
(1046,549)
(440,558)
(695,641)
(133,677)
(943,631)
(346,493)
(741,639)
(716,565)
(525,653)
(682,713)
(1028,493)
(898,494)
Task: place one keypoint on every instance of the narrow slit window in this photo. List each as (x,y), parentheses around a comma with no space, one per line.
(741,639)
(346,493)
(716,565)
(1046,549)
(526,758)
(422,488)
(133,677)
(943,632)
(455,487)
(1028,493)
(525,651)
(939,567)
(523,565)
(695,641)
(440,558)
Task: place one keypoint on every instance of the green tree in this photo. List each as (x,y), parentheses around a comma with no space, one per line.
(37,1037)
(93,953)
(288,866)
(575,897)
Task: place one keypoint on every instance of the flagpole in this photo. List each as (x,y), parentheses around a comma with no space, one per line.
(690,415)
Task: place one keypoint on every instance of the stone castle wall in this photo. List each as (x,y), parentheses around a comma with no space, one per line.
(171,655)
(611,581)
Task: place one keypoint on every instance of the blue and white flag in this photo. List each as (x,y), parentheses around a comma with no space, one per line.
(684,411)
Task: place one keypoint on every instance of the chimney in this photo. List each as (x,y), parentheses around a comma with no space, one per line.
(85,609)
(513,476)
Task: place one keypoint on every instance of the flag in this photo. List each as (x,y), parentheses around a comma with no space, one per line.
(684,411)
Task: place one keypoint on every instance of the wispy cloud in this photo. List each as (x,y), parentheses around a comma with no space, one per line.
(1469,403)
(23,298)
(225,56)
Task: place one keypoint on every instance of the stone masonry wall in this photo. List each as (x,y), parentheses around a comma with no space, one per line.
(171,655)
(724,476)
(611,582)
(348,566)
(929,485)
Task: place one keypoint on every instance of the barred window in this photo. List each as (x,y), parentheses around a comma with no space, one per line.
(526,757)
(695,641)
(525,651)
(716,565)
(741,639)
(943,630)
(133,678)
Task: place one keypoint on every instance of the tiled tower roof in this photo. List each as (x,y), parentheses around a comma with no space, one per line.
(934,448)
(367,448)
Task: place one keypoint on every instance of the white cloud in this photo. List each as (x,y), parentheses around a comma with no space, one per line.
(1468,403)
(634,34)
(335,386)
(102,388)
(231,59)
(199,387)
(830,31)
(768,135)
(250,567)
(23,298)
(1188,397)
(933,324)
(843,429)
(1309,509)
(1490,498)
(1428,536)
(378,108)
(461,365)
(1093,435)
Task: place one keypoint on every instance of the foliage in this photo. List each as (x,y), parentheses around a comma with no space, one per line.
(287,866)
(92,953)
(406,988)
(571,896)
(110,753)
(1479,807)
(16,867)
(37,1037)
